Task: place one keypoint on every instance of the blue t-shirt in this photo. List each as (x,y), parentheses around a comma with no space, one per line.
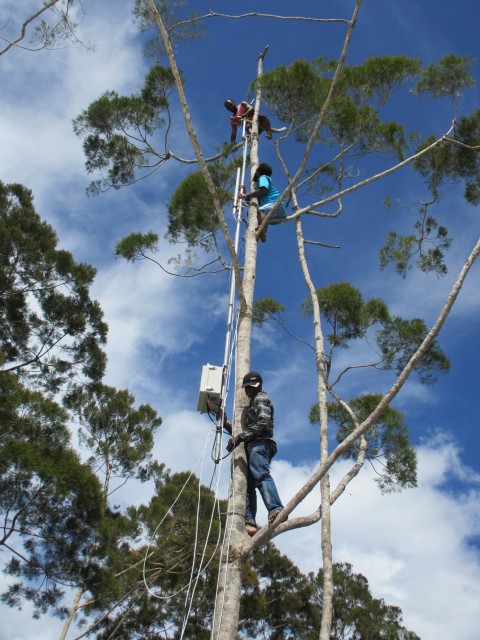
(272,194)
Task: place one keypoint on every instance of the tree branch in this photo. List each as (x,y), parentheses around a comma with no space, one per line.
(13,43)
(198,152)
(386,400)
(374,178)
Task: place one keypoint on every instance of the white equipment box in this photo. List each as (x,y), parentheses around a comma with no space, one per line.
(210,395)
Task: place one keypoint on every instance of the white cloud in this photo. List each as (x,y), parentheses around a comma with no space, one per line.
(413,547)
(19,625)
(36,125)
(152,317)
(184,442)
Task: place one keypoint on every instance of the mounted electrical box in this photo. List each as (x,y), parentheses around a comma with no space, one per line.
(210,395)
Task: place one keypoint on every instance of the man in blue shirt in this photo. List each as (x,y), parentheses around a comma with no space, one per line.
(267,195)
(257,435)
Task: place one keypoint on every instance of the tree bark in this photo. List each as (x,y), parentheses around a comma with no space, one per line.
(227,604)
(71,614)
(327,602)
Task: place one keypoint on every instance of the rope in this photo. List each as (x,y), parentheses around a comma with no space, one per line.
(147,553)
(231,339)
(194,580)
(195,576)
(225,549)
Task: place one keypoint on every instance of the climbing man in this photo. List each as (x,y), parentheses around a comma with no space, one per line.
(244,111)
(260,447)
(267,195)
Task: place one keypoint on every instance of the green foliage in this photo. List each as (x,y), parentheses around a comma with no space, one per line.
(191,211)
(352,126)
(157,87)
(398,250)
(119,436)
(344,309)
(388,440)
(55,531)
(356,613)
(264,309)
(376,79)
(277,601)
(176,541)
(449,77)
(50,502)
(405,250)
(296,95)
(49,326)
(451,162)
(455,162)
(135,246)
(57,30)
(399,339)
(180,25)
(117,130)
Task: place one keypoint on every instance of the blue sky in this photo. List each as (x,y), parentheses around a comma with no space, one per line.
(419,548)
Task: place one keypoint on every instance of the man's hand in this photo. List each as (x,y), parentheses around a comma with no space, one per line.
(227,425)
(233,443)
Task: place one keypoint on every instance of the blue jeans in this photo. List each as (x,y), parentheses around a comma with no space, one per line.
(260,453)
(279,214)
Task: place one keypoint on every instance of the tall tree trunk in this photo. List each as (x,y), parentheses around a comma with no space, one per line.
(327,602)
(227,604)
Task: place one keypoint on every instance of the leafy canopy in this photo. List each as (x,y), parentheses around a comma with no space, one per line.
(295,95)
(455,162)
(345,311)
(191,212)
(350,318)
(50,328)
(117,129)
(50,502)
(389,447)
(119,435)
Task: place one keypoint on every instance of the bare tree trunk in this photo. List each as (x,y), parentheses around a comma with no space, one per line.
(71,614)
(327,560)
(227,605)
(327,605)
